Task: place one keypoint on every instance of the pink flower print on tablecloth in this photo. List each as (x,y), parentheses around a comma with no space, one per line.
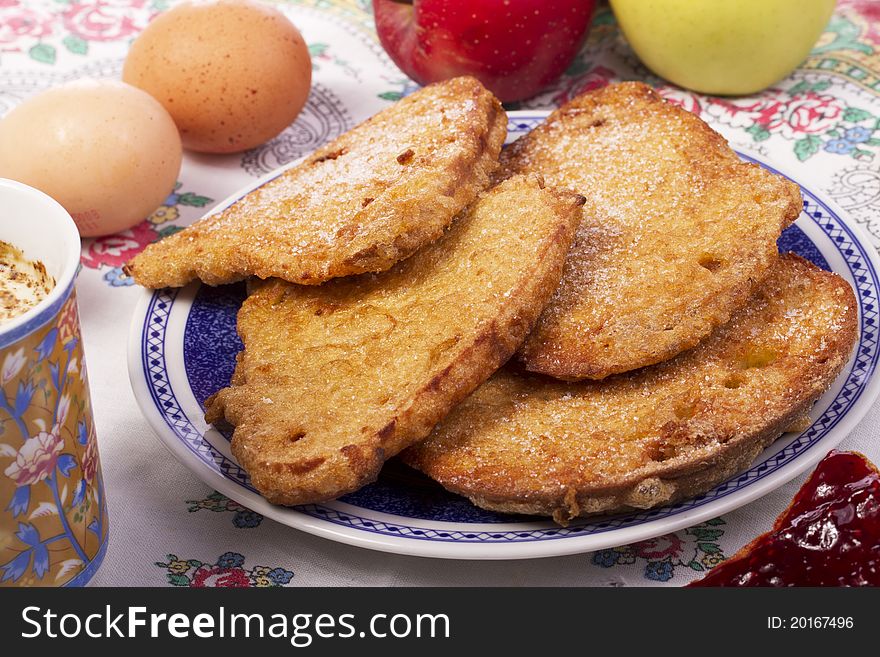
(115,250)
(596,78)
(104,21)
(666,546)
(215,576)
(18,21)
(229,571)
(684,99)
(745,112)
(802,114)
(810,114)
(869,11)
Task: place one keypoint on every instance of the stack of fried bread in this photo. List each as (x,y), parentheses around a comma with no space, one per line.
(594,320)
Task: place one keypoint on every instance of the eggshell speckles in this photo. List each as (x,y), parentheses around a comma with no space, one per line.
(232,73)
(108,152)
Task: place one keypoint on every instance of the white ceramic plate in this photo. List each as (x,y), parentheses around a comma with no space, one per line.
(182,348)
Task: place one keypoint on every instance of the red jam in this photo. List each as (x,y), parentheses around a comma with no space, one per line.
(829,536)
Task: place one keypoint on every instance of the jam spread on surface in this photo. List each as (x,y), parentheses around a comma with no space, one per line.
(829,536)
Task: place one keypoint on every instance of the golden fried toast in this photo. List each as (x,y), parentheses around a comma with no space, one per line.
(526,443)
(334,379)
(361,203)
(676,233)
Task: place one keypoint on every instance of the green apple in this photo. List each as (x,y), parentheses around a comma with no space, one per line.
(728,47)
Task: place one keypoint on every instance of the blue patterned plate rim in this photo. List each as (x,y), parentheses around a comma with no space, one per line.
(152,374)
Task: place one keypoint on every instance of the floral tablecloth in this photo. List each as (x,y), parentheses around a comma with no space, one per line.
(167,528)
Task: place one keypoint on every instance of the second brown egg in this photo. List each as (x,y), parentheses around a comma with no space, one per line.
(232,73)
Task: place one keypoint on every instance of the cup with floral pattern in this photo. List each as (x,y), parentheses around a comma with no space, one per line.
(53,516)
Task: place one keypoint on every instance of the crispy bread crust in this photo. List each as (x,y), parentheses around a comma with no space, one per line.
(523,443)
(335,379)
(676,234)
(368,199)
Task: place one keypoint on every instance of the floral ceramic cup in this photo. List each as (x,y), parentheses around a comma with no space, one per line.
(53,516)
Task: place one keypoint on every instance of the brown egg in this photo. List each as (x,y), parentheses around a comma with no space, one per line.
(232,73)
(107,152)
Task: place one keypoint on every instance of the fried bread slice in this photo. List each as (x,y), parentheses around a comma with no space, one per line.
(677,230)
(526,443)
(359,204)
(337,378)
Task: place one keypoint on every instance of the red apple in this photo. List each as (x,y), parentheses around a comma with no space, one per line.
(514,47)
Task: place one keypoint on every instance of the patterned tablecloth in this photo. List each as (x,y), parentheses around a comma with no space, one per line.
(170,529)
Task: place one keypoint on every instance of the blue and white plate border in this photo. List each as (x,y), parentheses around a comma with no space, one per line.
(156,334)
